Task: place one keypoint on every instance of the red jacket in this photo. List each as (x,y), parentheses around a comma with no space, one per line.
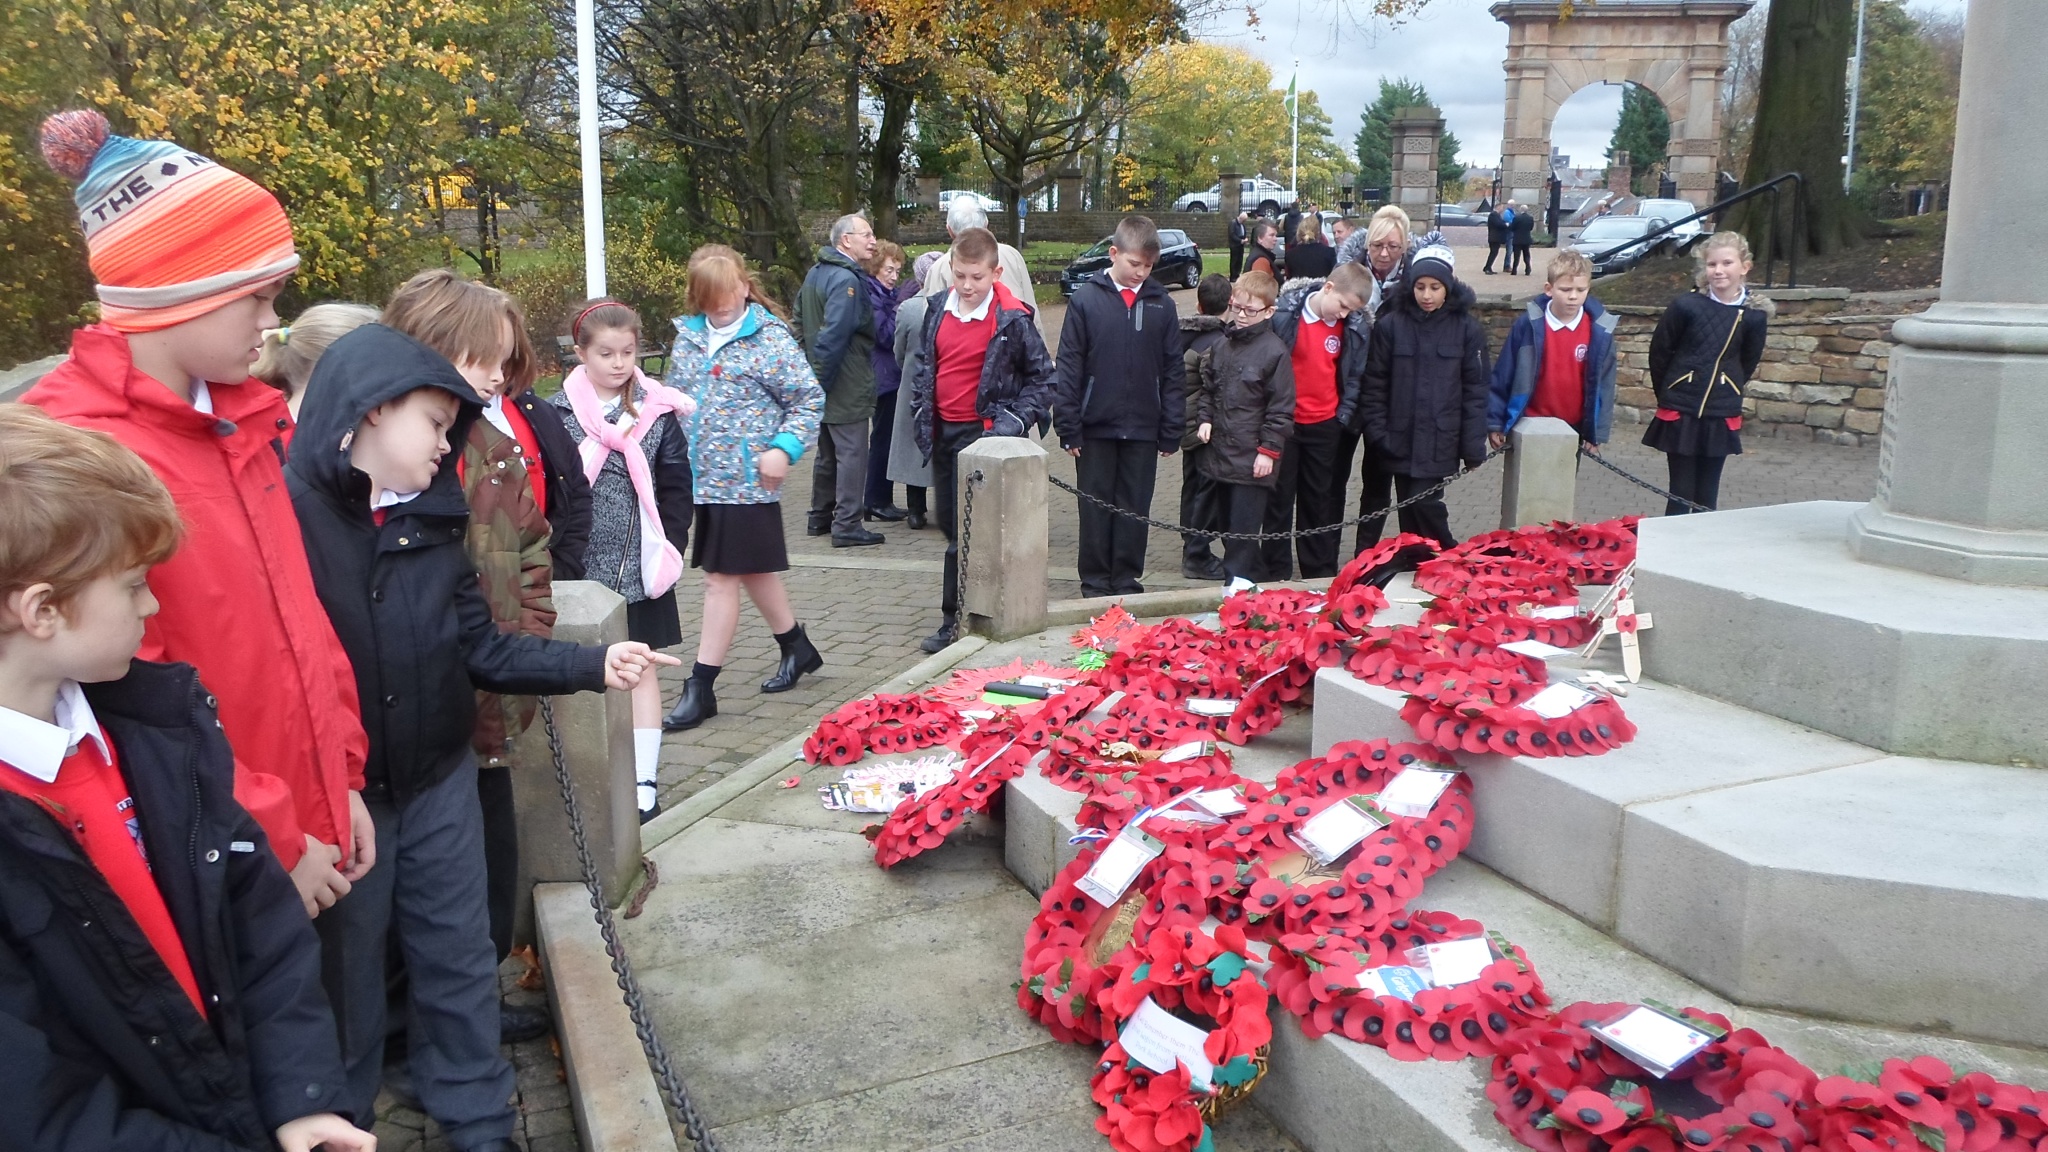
(237,598)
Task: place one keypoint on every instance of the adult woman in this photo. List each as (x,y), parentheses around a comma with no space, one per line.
(1262,256)
(1307,256)
(882,270)
(758,408)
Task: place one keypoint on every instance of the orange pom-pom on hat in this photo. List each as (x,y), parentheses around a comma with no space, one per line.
(171,234)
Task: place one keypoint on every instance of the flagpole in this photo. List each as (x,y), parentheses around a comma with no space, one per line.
(591,157)
(1294,110)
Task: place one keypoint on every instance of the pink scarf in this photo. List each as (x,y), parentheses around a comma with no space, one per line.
(661,564)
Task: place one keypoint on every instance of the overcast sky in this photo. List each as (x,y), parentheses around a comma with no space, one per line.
(1454,49)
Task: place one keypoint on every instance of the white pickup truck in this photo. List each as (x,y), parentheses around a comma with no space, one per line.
(1256,194)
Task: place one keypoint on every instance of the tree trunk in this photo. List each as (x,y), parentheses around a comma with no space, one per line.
(849,185)
(1801,117)
(886,176)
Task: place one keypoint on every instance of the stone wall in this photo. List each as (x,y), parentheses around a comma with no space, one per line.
(1822,376)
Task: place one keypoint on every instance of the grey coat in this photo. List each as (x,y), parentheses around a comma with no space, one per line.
(906,462)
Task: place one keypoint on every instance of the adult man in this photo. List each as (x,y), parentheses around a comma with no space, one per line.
(1240,234)
(1340,230)
(966,212)
(1507,223)
(838,328)
(1525,236)
(1496,236)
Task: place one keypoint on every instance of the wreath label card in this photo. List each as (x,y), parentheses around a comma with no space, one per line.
(1456,961)
(1192,750)
(1212,707)
(1220,802)
(1414,791)
(1558,701)
(1653,1041)
(1158,1039)
(1122,859)
(1337,829)
(1396,980)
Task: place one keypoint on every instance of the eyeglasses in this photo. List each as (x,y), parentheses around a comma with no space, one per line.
(1250,309)
(1387,246)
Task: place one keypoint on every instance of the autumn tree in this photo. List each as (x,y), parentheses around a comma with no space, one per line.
(1375,141)
(1801,116)
(1199,109)
(1644,132)
(1031,78)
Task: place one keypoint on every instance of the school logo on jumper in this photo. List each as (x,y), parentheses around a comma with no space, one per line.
(1579,353)
(1331,344)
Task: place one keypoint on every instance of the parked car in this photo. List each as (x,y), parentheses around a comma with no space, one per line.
(1607,233)
(1686,235)
(988,203)
(1256,194)
(1179,266)
(1452,216)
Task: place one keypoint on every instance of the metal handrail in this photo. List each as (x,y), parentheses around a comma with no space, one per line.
(1771,186)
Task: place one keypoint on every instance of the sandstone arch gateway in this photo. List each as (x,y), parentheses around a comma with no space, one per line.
(1677,49)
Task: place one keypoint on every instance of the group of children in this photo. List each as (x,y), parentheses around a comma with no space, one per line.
(265,652)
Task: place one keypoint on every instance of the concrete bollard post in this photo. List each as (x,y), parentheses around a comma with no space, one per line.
(1542,478)
(597,739)
(1006,551)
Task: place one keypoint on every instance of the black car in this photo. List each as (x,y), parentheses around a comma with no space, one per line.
(1179,266)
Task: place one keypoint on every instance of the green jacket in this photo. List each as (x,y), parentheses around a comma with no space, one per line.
(508,542)
(837,328)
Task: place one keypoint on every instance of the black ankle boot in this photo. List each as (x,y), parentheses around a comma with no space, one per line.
(799,656)
(942,639)
(697,705)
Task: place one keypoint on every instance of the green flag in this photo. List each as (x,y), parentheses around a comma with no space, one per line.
(1290,90)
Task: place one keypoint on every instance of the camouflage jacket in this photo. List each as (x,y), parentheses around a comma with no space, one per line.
(508,543)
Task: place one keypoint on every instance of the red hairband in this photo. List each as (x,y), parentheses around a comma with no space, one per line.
(576,325)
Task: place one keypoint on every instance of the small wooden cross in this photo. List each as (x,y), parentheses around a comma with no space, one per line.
(1603,682)
(1624,621)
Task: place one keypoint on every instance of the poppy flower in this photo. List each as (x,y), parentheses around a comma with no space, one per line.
(1591,1111)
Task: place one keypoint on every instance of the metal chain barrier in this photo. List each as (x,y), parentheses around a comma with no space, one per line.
(1339,526)
(672,1089)
(975,479)
(1639,482)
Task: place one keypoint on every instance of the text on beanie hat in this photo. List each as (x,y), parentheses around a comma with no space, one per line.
(171,234)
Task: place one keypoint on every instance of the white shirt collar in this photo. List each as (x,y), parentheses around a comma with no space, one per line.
(1557,325)
(386,498)
(973,315)
(1738,302)
(717,336)
(39,748)
(202,397)
(1123,287)
(495,413)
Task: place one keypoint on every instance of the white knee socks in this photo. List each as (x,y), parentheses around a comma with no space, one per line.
(646,763)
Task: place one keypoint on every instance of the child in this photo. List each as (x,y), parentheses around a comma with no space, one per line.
(520,476)
(160,983)
(290,352)
(1706,347)
(1198,507)
(1323,324)
(982,369)
(384,525)
(1244,413)
(1559,360)
(190,258)
(638,466)
(1423,405)
(1119,406)
(756,408)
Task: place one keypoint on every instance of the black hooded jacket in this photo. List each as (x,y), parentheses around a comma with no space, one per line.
(1423,404)
(403,596)
(1120,371)
(103,1049)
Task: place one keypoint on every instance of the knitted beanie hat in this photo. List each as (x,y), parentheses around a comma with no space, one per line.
(1434,261)
(171,234)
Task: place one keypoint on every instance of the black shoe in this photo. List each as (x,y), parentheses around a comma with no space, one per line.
(1195,568)
(858,538)
(798,657)
(1088,593)
(914,521)
(518,1023)
(698,704)
(887,512)
(942,639)
(1131,589)
(818,524)
(647,814)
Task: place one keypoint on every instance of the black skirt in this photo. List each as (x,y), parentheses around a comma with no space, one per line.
(654,622)
(739,539)
(1691,436)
